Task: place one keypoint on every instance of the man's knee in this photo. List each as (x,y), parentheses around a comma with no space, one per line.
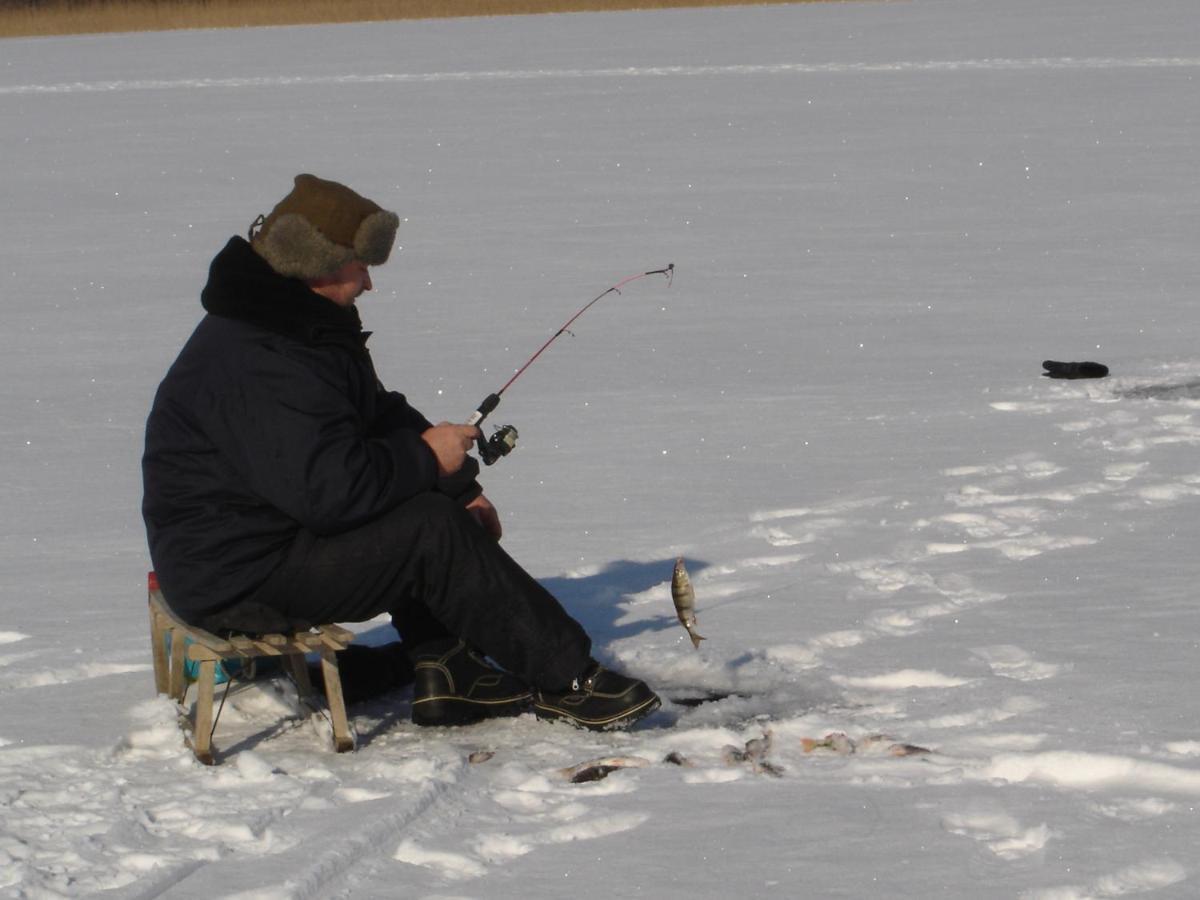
(432,507)
(432,513)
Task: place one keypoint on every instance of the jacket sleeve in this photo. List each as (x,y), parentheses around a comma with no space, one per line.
(291,431)
(395,413)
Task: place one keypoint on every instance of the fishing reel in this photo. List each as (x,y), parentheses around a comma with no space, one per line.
(503,439)
(501,443)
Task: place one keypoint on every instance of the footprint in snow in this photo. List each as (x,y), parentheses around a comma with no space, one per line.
(904,679)
(1083,771)
(499,847)
(1183,748)
(1023,406)
(69,675)
(452,866)
(802,525)
(1008,661)
(1011,708)
(1136,809)
(1170,492)
(1124,471)
(1138,878)
(836,508)
(541,812)
(1000,832)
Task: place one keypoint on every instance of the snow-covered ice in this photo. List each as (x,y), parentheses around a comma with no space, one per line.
(883,217)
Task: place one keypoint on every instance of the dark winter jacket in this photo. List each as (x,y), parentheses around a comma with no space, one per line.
(271,420)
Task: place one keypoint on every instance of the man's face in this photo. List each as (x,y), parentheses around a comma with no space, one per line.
(345,285)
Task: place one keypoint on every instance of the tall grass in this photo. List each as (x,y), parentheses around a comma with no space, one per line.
(46,17)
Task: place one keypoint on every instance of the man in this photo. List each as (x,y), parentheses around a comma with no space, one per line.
(286,487)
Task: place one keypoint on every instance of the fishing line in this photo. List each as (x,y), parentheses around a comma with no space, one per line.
(504,439)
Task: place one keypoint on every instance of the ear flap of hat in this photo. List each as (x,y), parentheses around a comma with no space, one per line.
(293,247)
(375,236)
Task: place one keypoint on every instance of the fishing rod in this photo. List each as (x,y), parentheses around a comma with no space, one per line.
(504,439)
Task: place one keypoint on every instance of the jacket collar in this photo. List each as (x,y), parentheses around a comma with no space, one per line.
(242,286)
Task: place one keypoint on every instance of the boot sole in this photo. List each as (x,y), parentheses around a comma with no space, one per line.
(622,719)
(449,711)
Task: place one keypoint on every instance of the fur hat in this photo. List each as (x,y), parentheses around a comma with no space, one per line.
(319,227)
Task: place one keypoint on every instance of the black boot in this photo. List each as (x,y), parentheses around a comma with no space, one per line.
(599,700)
(454,685)
(368,672)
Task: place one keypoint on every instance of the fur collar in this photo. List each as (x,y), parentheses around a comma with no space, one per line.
(241,285)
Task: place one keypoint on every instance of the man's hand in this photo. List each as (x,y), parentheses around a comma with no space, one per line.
(450,444)
(485,514)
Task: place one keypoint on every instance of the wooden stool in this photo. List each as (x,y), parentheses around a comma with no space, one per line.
(190,643)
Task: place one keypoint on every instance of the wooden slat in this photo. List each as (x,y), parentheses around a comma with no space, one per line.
(332,643)
(338,633)
(197,651)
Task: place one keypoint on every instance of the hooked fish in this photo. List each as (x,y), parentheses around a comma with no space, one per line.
(685,601)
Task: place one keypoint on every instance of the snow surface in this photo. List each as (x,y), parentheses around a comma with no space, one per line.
(884,216)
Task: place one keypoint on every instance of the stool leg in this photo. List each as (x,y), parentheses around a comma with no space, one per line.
(343,740)
(158,651)
(298,668)
(177,687)
(203,724)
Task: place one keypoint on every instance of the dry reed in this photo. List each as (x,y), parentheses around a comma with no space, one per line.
(21,18)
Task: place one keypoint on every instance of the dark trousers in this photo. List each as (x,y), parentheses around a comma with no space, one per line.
(431,566)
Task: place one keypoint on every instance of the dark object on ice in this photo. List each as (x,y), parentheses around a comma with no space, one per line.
(707,697)
(593,773)
(596,769)
(1074,369)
